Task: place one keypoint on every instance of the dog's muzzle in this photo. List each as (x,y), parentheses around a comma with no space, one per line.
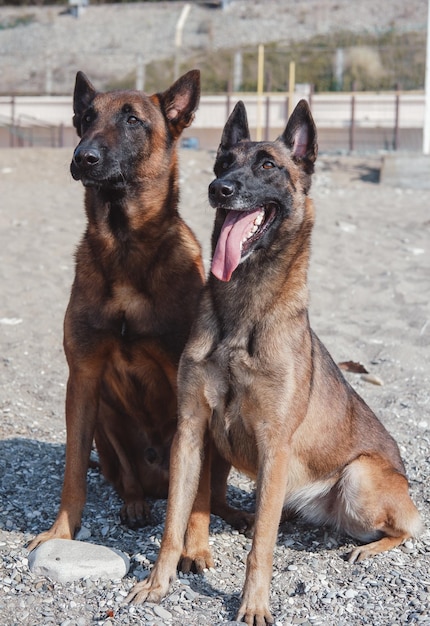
(85,159)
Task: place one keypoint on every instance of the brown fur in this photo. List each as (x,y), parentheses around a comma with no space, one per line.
(257,381)
(138,278)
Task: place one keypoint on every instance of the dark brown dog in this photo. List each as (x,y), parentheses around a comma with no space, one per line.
(257,379)
(139,275)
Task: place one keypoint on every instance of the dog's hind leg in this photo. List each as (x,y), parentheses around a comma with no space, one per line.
(374,503)
(117,469)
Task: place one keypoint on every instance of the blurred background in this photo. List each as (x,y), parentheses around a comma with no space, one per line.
(361,65)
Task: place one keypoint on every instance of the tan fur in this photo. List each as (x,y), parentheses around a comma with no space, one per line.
(256,379)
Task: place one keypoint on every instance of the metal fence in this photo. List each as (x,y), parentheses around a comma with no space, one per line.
(346,122)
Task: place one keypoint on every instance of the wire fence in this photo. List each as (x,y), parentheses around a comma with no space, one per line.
(346,122)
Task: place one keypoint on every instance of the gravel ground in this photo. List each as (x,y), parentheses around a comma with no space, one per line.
(369,285)
(107,39)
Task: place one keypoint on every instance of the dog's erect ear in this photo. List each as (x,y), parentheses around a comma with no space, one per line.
(300,136)
(236,128)
(180,102)
(83,95)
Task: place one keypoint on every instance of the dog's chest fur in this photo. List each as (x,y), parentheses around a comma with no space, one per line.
(229,382)
(241,388)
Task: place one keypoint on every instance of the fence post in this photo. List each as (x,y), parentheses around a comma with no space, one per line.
(267,125)
(228,99)
(291,86)
(352,125)
(260,88)
(311,93)
(396,121)
(12,125)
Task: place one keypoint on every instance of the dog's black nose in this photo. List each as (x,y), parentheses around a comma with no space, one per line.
(221,189)
(86,157)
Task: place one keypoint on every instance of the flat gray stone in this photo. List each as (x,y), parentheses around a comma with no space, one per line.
(65,560)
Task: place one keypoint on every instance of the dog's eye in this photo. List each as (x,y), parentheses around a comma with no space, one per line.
(222,165)
(268,165)
(132,120)
(87,119)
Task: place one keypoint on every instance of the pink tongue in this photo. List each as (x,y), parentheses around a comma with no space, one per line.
(228,250)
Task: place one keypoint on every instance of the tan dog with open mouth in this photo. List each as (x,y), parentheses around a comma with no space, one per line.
(256,382)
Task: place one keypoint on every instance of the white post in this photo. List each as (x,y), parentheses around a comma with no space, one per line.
(48,75)
(237,71)
(426,133)
(178,36)
(140,73)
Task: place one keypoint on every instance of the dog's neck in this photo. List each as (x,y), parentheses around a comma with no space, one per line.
(126,231)
(133,210)
(273,280)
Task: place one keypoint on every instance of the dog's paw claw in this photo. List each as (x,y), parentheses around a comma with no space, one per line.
(253,617)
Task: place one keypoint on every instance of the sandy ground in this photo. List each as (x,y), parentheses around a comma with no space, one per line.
(369,281)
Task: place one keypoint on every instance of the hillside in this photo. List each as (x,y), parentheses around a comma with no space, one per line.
(41,48)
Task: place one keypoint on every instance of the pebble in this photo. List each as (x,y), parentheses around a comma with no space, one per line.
(347,227)
(83,533)
(190,594)
(160,612)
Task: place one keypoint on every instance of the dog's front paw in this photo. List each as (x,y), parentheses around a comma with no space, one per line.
(196,562)
(57,531)
(254,616)
(153,589)
(254,609)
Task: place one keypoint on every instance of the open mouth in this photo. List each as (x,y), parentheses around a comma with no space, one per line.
(239,234)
